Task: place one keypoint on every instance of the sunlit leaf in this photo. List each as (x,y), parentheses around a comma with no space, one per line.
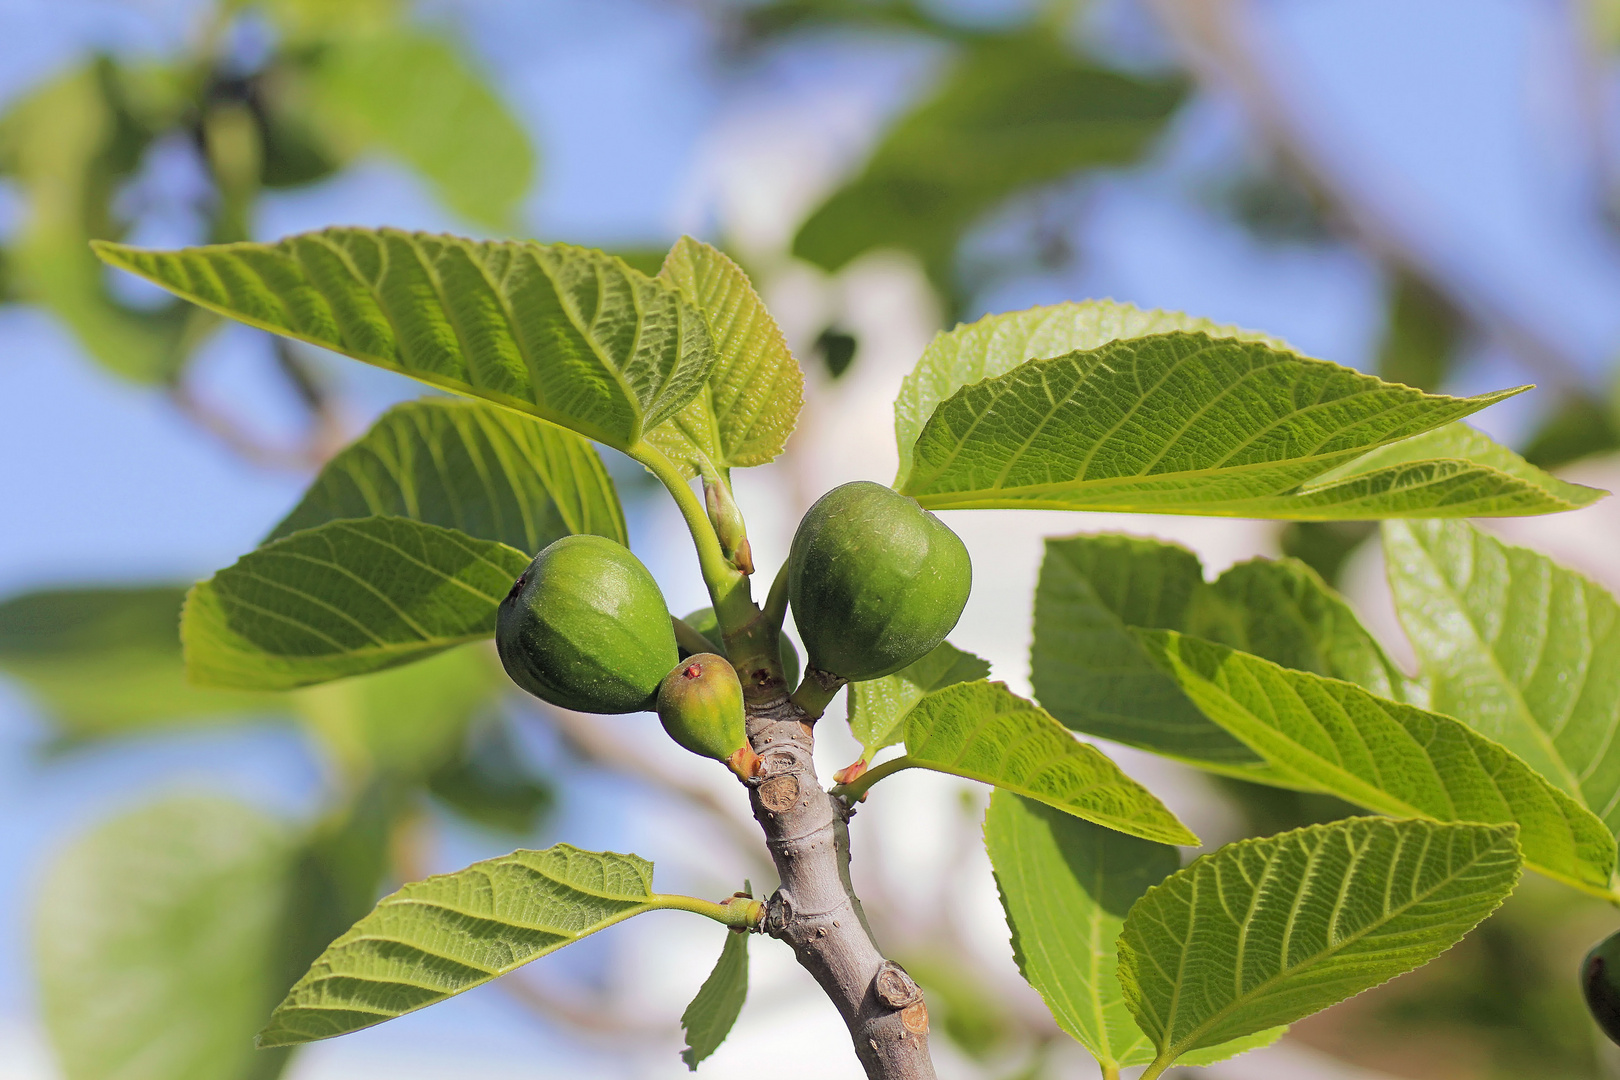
(709,1018)
(878,708)
(746,411)
(1265,932)
(436,938)
(983,731)
(1066,885)
(1388,757)
(344,598)
(1521,649)
(996,344)
(1190,424)
(468,466)
(564,333)
(157,943)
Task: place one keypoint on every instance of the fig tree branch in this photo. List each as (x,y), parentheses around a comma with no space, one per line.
(816,911)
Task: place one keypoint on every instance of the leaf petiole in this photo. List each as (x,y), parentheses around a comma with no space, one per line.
(739,913)
(728,588)
(1155,1070)
(856,789)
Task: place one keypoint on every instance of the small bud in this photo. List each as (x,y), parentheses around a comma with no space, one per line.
(850,773)
(700,704)
(728,524)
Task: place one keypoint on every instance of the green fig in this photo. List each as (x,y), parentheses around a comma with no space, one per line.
(1600,981)
(586,628)
(875,582)
(704,622)
(700,704)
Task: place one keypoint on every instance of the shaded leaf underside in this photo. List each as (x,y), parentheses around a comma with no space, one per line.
(483,471)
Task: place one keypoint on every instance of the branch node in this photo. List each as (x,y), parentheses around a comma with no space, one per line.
(778,913)
(895,988)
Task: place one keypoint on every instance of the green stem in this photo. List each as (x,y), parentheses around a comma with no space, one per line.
(1155,1070)
(741,913)
(776,601)
(733,606)
(1109,1072)
(853,790)
(690,639)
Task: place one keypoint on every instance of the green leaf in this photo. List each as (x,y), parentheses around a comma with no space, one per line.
(414,96)
(405,722)
(1452,471)
(1094,676)
(1519,648)
(1268,931)
(1282,610)
(345,598)
(156,939)
(1014,112)
(1388,757)
(747,410)
(878,708)
(70,145)
(708,1019)
(996,344)
(1190,424)
(983,731)
(1066,885)
(105,661)
(436,938)
(570,335)
(468,466)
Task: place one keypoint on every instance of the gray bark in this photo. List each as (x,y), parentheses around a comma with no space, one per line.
(816,911)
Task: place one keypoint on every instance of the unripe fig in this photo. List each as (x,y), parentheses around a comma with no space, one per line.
(700,704)
(586,628)
(875,581)
(703,620)
(1600,981)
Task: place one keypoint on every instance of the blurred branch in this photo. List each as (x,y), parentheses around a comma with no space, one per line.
(578,1012)
(1210,36)
(326,432)
(591,742)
